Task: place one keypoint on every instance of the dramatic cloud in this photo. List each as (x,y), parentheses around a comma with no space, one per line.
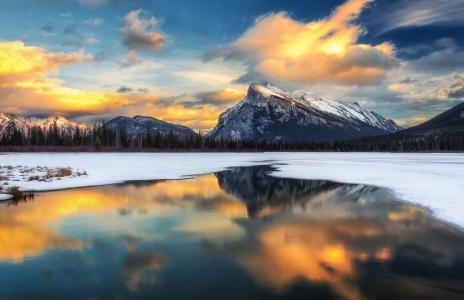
(25,85)
(198,110)
(140,32)
(282,49)
(414,13)
(21,62)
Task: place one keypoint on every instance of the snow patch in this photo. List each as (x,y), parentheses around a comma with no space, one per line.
(431,180)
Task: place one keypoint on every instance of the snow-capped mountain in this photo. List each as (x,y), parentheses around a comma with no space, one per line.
(264,194)
(270,114)
(9,123)
(141,124)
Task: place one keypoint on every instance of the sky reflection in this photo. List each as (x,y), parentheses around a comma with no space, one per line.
(237,233)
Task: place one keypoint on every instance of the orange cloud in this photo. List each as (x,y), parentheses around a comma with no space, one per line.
(409,122)
(280,48)
(200,110)
(223,97)
(25,85)
(26,63)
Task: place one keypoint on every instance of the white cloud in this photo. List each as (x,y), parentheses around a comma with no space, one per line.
(415,13)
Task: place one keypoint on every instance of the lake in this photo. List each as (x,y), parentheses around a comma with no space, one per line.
(235,234)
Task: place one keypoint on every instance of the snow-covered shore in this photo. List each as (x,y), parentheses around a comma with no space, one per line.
(432,180)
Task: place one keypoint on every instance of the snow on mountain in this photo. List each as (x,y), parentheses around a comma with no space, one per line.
(11,122)
(8,124)
(133,126)
(141,124)
(268,113)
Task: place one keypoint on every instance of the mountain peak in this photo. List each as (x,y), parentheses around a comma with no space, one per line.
(10,122)
(269,113)
(264,90)
(143,124)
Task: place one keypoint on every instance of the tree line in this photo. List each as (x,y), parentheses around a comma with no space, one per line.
(103,138)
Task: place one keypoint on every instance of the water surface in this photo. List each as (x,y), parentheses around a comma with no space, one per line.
(237,234)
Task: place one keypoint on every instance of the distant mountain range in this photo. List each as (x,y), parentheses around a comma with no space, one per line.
(266,114)
(9,123)
(140,124)
(270,114)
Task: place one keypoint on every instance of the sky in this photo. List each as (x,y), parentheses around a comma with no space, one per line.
(187,61)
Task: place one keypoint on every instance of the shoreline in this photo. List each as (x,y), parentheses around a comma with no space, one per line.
(430,180)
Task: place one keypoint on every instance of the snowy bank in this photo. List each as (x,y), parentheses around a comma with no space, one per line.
(431,180)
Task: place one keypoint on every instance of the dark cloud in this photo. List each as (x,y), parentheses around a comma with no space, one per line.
(172,100)
(416,49)
(229,53)
(446,60)
(48,28)
(208,98)
(408,80)
(71,37)
(456,89)
(125,89)
(220,98)
(140,32)
(459,93)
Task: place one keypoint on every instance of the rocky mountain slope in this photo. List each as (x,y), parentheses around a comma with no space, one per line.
(9,123)
(270,114)
(447,124)
(140,124)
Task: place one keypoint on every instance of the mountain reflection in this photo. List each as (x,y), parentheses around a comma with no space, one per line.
(251,235)
(263,194)
(340,235)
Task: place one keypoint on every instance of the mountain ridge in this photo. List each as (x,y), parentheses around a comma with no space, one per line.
(137,125)
(269,113)
(447,123)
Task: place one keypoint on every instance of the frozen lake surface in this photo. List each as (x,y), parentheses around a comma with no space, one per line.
(234,234)
(434,181)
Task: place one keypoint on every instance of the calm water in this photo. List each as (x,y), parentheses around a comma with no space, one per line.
(238,234)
